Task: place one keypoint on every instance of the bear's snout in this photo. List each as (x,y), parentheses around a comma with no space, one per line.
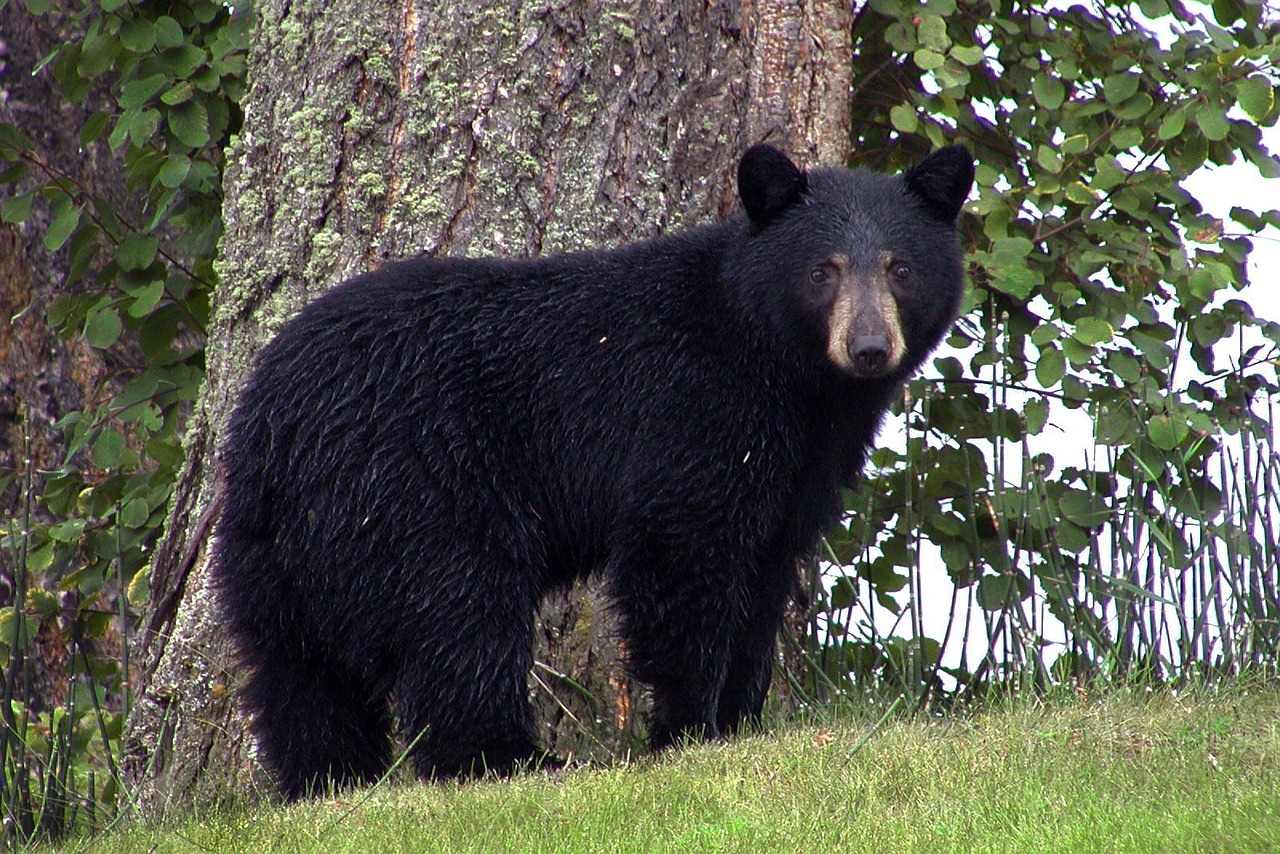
(868,355)
(864,328)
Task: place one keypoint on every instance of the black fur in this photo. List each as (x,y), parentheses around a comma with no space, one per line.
(768,183)
(427,450)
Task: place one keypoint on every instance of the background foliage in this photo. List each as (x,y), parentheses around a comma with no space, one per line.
(137,291)
(1101,292)
(1103,297)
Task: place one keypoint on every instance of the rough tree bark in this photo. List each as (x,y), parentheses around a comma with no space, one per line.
(385,129)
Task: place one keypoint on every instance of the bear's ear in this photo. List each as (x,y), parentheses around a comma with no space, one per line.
(768,182)
(942,180)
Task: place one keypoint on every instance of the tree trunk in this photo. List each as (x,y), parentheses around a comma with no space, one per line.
(379,130)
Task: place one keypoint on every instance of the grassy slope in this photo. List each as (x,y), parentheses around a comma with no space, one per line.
(1156,773)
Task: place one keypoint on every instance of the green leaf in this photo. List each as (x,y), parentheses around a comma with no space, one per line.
(166,453)
(844,592)
(1114,425)
(134,513)
(928,60)
(138,35)
(1167,432)
(1012,249)
(135,93)
(183,60)
(1123,364)
(120,132)
(68,531)
(103,328)
(1035,412)
(43,602)
(14,139)
(1173,124)
(1225,12)
(1079,193)
(1156,351)
(968,55)
(1012,271)
(16,209)
(996,592)
(1212,121)
(933,33)
(64,309)
(168,33)
(146,298)
(1050,367)
(82,249)
(1256,96)
(1049,159)
(1075,144)
(1093,330)
(1049,91)
(13,173)
(1202,283)
(1017,281)
(904,118)
(93,127)
(64,222)
(174,171)
(1127,137)
(1208,329)
(190,124)
(178,94)
(139,588)
(38,560)
(97,54)
(107,448)
(161,209)
(136,251)
(1135,108)
(207,79)
(1045,333)
(1078,353)
(143,126)
(1086,509)
(1119,88)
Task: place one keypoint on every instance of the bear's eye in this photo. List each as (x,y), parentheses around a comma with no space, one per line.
(901,271)
(824,282)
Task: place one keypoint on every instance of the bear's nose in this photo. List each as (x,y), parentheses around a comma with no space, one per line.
(869,354)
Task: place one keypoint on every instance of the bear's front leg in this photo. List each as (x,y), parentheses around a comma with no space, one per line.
(754,648)
(679,615)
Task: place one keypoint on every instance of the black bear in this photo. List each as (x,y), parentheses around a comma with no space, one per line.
(426,450)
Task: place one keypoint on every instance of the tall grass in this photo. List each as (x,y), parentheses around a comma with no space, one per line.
(1131,771)
(63,697)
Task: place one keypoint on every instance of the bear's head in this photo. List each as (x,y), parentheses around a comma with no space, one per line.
(860,269)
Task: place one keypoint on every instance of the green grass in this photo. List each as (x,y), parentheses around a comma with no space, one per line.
(1132,772)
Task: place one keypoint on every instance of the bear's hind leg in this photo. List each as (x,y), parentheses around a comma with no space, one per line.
(463,700)
(317,725)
